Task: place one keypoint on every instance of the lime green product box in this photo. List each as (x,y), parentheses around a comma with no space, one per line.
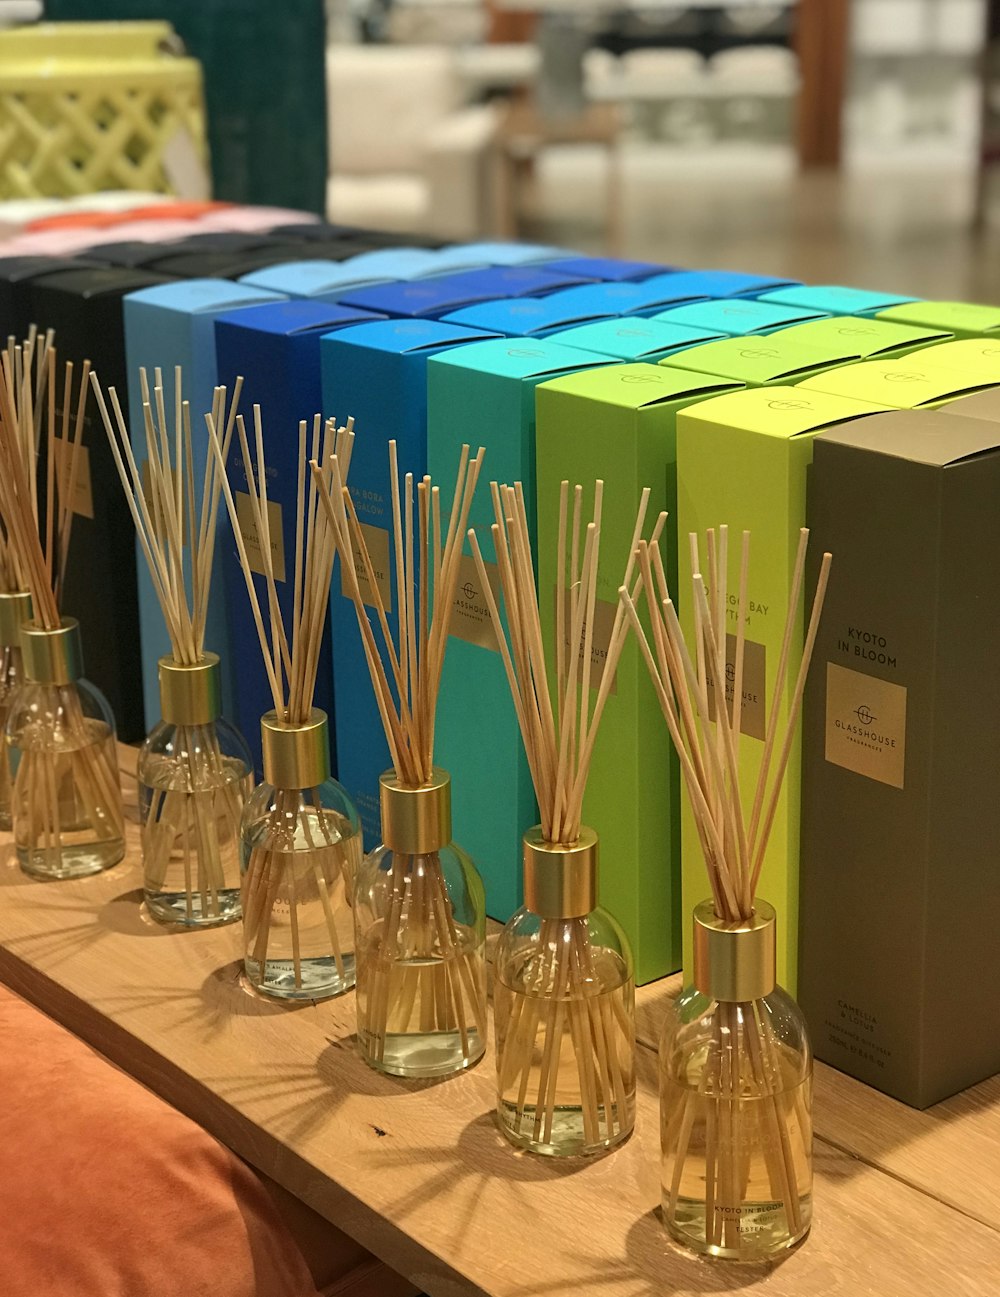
(865,339)
(484,393)
(760,362)
(973,357)
(907,384)
(742,461)
(963,319)
(619,424)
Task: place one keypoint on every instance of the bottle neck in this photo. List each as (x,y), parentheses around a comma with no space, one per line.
(560,880)
(734,962)
(295,756)
(416,820)
(190,694)
(52,657)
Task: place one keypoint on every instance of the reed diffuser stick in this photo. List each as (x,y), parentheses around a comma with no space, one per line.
(421,983)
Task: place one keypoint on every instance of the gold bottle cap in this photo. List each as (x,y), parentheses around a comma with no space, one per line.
(190,693)
(52,657)
(416,821)
(560,882)
(15,610)
(734,962)
(296,756)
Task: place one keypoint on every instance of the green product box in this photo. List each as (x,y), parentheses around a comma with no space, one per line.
(973,357)
(484,393)
(907,384)
(865,339)
(761,362)
(742,461)
(963,319)
(619,424)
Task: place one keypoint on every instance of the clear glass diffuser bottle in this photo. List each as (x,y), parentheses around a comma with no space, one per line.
(15,610)
(420,925)
(736,1099)
(194,774)
(564,1006)
(300,854)
(66,804)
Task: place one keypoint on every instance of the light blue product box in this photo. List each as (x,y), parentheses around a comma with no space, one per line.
(329,281)
(835,299)
(275,348)
(513,254)
(166,326)
(376,373)
(740,318)
(486,392)
(634,340)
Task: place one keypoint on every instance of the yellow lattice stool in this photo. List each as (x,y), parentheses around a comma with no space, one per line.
(90,106)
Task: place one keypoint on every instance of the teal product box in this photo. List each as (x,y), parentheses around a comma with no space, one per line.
(275,348)
(618,423)
(634,340)
(439,296)
(488,387)
(608,269)
(835,299)
(537,317)
(376,373)
(170,325)
(738,318)
(866,338)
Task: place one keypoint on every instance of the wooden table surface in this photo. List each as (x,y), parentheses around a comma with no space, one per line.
(907,1204)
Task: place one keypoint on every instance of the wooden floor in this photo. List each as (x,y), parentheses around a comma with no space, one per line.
(907,1204)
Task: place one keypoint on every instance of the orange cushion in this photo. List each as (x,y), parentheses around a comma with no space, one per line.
(107,1191)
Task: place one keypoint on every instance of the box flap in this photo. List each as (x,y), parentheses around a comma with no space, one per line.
(981,405)
(638,386)
(96,281)
(781,412)
(196,296)
(728,283)
(835,298)
(974,357)
(958,317)
(633,339)
(738,318)
(520,359)
(756,360)
(923,436)
(905,384)
(608,269)
(298,316)
(313,278)
(524,316)
(405,337)
(865,338)
(511,254)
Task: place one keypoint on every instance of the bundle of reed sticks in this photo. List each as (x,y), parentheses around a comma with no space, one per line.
(305,855)
(66,787)
(190,817)
(422,971)
(746,1060)
(568,988)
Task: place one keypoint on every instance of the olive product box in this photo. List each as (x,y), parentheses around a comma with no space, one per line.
(759,362)
(742,461)
(981,405)
(275,347)
(900,979)
(634,340)
(973,357)
(835,299)
(737,318)
(866,339)
(618,423)
(84,306)
(437,296)
(376,373)
(169,325)
(907,384)
(486,391)
(963,319)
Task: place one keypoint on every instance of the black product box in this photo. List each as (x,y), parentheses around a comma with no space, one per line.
(84,306)
(900,886)
(16,275)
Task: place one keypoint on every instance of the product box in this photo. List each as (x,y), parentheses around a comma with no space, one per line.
(376,373)
(275,347)
(865,339)
(16,275)
(608,269)
(972,357)
(759,362)
(635,340)
(732,283)
(907,384)
(900,818)
(537,317)
(486,392)
(182,262)
(433,298)
(133,254)
(365,239)
(963,319)
(84,306)
(742,461)
(174,324)
(981,405)
(518,254)
(835,299)
(618,423)
(330,280)
(737,318)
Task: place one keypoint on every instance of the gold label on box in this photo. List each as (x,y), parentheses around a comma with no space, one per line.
(470,614)
(377,543)
(83,496)
(753,709)
(248,525)
(600,641)
(865,724)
